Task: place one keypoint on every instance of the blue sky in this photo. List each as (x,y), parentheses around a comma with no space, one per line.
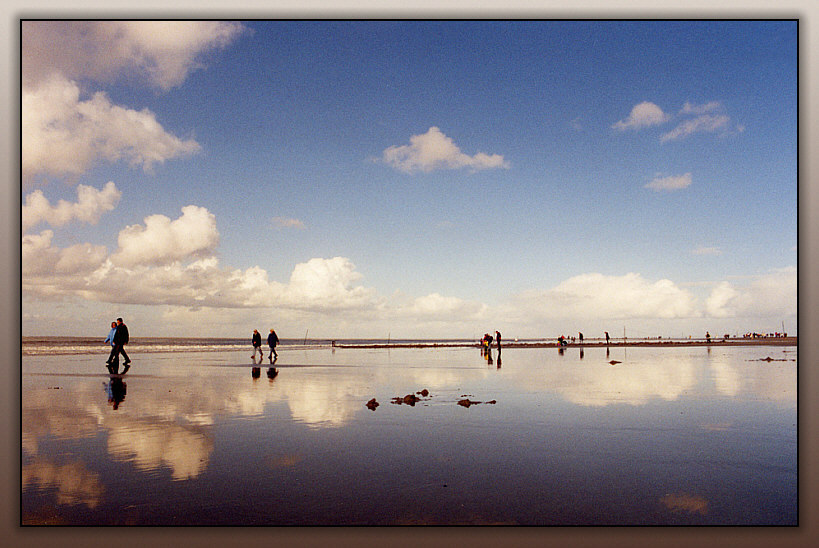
(422,179)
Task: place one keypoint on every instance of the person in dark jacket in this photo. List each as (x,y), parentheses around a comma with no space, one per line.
(272,341)
(257,344)
(120,340)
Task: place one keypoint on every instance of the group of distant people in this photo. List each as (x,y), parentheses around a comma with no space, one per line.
(272,342)
(486,341)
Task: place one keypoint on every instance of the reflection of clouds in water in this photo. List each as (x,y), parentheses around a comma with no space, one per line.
(75,484)
(635,384)
(693,504)
(184,450)
(727,377)
(432,379)
(320,402)
(773,381)
(283,460)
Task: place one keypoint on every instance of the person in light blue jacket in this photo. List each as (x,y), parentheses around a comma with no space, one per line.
(110,339)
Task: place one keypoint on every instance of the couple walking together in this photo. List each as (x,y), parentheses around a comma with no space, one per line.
(118,337)
(272,341)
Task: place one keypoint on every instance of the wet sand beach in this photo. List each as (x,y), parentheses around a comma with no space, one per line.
(625,435)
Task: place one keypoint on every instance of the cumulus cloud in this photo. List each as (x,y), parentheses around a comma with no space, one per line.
(772,295)
(434,150)
(597,296)
(55,265)
(163,241)
(442,308)
(643,115)
(64,135)
(705,123)
(91,204)
(718,303)
(284,222)
(692,118)
(328,283)
(162,53)
(672,182)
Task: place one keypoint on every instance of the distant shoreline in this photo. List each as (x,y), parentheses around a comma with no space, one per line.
(763,341)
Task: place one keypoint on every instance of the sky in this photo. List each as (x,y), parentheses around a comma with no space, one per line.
(432,179)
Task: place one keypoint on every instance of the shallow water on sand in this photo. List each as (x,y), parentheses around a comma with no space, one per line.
(671,436)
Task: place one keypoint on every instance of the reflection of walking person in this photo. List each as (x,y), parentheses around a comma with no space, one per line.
(120,340)
(257,344)
(116,391)
(272,341)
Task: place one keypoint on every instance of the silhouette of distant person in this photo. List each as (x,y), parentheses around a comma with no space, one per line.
(580,337)
(708,336)
(607,337)
(120,340)
(257,344)
(272,341)
(498,339)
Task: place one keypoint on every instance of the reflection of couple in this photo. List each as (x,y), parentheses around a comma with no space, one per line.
(116,391)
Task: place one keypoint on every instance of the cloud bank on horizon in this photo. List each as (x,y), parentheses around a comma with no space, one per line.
(170,271)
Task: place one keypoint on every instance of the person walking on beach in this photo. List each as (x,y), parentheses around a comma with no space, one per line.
(272,341)
(110,340)
(257,344)
(580,337)
(120,340)
(498,339)
(607,337)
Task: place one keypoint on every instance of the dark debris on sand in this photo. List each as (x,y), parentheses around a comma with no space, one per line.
(467,402)
(412,399)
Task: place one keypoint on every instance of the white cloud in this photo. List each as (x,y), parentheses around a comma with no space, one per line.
(439,307)
(160,52)
(63,135)
(284,222)
(718,303)
(434,150)
(672,182)
(706,123)
(327,284)
(643,115)
(771,296)
(596,296)
(704,250)
(56,269)
(91,204)
(689,108)
(162,241)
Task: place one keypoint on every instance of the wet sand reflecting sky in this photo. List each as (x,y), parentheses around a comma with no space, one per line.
(667,436)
